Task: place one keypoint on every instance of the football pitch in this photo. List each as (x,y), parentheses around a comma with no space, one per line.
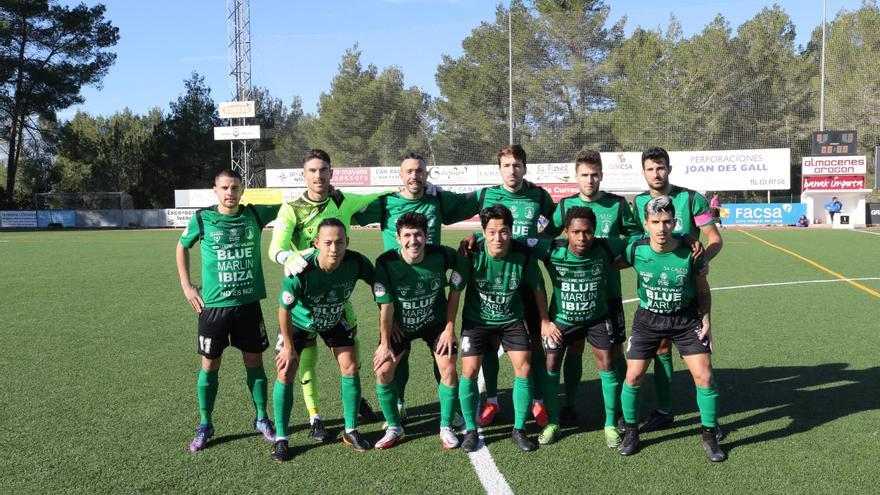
(99,371)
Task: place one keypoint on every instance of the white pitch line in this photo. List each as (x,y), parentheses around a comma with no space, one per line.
(490,477)
(774,284)
(866,232)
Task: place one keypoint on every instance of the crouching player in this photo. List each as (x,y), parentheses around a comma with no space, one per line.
(312,303)
(494,308)
(674,304)
(410,289)
(580,269)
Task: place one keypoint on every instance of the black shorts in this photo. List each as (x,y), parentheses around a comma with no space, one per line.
(429,335)
(339,336)
(682,327)
(618,319)
(242,326)
(475,338)
(530,310)
(599,332)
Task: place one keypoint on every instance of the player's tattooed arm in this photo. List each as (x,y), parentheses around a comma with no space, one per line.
(287,360)
(704,300)
(384,352)
(190,291)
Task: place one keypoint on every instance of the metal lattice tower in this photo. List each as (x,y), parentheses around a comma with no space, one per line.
(238,36)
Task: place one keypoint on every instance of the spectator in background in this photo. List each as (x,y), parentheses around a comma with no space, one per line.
(803,222)
(715,206)
(832,207)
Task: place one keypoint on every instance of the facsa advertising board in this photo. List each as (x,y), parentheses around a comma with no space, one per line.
(236,132)
(237,109)
(763,214)
(64,218)
(732,170)
(834,165)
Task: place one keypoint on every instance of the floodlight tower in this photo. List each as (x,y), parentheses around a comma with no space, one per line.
(238,35)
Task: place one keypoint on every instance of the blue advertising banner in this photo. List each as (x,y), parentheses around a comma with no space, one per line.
(65,218)
(763,214)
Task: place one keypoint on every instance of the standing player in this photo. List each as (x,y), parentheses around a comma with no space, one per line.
(581,269)
(295,231)
(410,289)
(493,308)
(229,305)
(440,208)
(613,219)
(692,216)
(674,304)
(313,303)
(527,203)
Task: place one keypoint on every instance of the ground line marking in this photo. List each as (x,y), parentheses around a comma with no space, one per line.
(487,471)
(866,232)
(817,265)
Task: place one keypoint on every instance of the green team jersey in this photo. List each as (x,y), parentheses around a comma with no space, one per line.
(418,291)
(297,223)
(665,281)
(492,296)
(580,283)
(232,270)
(527,205)
(445,208)
(315,298)
(614,219)
(691,210)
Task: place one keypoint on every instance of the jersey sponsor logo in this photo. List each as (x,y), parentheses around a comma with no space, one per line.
(646,276)
(378,289)
(456,278)
(532,242)
(287,297)
(561,270)
(216,235)
(404,290)
(436,284)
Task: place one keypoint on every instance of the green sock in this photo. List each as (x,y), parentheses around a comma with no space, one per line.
(610,395)
(630,402)
(522,400)
(490,372)
(551,396)
(351,399)
(469,397)
(207,389)
(447,404)
(620,369)
(256,381)
(707,402)
(388,402)
(663,381)
(572,371)
(538,363)
(401,376)
(308,360)
(282,402)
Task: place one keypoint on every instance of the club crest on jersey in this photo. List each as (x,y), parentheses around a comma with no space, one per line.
(249,233)
(596,269)
(530,213)
(680,280)
(378,289)
(436,284)
(677,223)
(606,228)
(514,281)
(404,290)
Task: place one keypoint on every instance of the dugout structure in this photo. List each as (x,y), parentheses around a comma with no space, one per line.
(85,210)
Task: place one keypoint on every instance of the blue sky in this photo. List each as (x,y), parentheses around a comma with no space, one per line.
(297,44)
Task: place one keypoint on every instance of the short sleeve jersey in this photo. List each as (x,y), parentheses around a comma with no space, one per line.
(315,298)
(527,205)
(614,219)
(418,291)
(298,220)
(580,283)
(665,281)
(492,296)
(232,270)
(445,208)
(691,210)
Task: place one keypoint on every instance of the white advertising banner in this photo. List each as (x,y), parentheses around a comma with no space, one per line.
(834,165)
(732,170)
(237,109)
(385,176)
(178,217)
(550,173)
(453,174)
(18,219)
(194,198)
(622,172)
(236,132)
(488,175)
(285,177)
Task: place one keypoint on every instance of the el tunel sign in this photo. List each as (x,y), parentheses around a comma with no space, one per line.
(834,165)
(834,183)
